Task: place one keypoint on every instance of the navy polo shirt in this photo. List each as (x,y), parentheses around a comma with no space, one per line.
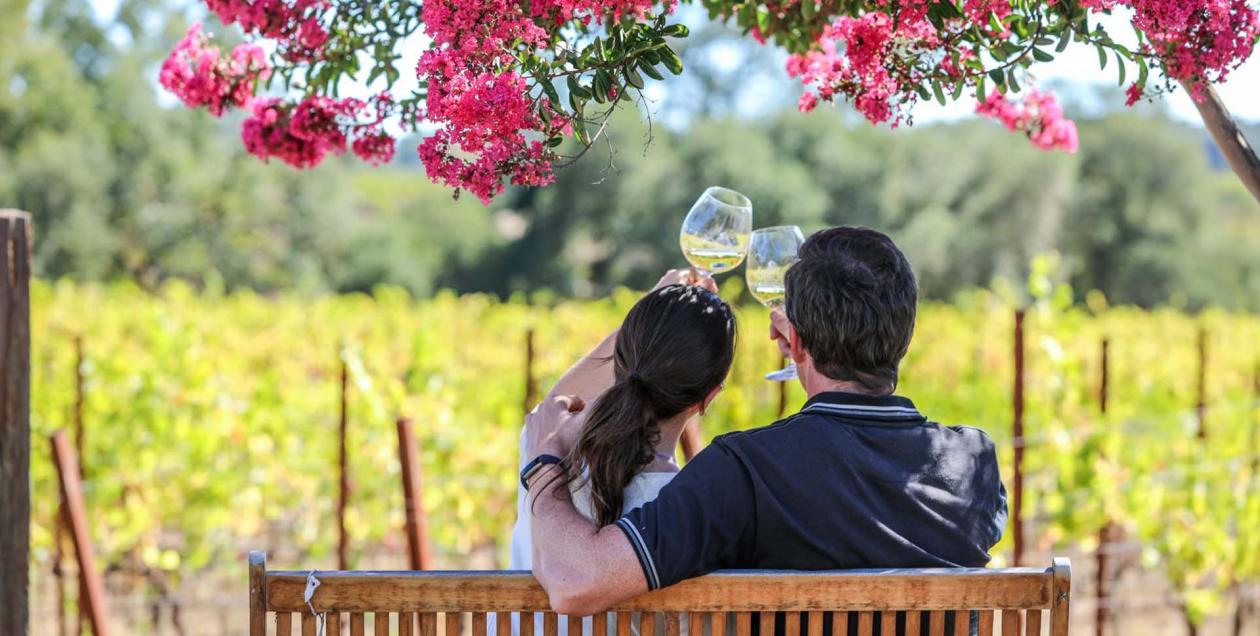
(850,481)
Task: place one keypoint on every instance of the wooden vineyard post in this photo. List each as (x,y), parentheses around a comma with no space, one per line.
(1017,435)
(692,439)
(343,467)
(783,390)
(15,421)
(531,385)
(1106,532)
(93,601)
(1200,406)
(79,454)
(417,528)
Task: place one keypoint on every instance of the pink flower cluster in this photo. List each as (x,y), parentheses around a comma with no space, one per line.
(302,135)
(483,111)
(293,23)
(200,75)
(1038,115)
(1200,41)
(866,72)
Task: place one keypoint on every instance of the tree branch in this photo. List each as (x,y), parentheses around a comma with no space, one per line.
(1240,155)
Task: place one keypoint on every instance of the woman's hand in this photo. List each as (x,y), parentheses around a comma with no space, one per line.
(689,276)
(554,425)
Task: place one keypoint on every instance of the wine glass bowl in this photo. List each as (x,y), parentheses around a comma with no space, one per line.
(715,233)
(771,252)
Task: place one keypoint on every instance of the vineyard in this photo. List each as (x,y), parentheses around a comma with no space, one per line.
(210,421)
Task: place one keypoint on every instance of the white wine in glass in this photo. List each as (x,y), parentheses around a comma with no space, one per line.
(771,251)
(715,234)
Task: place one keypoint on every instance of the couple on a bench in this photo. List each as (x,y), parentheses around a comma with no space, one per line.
(859,478)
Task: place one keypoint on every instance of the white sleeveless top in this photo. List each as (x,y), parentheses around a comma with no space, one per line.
(643,488)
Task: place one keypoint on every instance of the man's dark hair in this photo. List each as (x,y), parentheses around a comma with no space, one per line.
(852,298)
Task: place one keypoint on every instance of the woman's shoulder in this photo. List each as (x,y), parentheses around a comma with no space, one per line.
(644,487)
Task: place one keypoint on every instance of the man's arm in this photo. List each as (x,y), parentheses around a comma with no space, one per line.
(584,569)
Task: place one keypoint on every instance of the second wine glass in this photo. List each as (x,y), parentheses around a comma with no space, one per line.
(771,251)
(715,234)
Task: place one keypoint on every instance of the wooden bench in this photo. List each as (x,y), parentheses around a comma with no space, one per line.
(1011,601)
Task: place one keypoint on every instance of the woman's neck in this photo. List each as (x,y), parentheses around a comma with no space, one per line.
(671,432)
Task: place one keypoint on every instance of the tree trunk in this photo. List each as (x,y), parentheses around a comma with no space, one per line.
(1240,155)
(15,420)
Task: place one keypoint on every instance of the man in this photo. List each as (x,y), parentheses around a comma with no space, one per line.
(857,479)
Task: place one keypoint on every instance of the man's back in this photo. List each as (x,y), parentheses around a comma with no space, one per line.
(849,482)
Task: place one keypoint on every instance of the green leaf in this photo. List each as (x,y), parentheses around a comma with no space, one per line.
(997,76)
(958,90)
(633,77)
(672,61)
(555,141)
(1064,38)
(676,31)
(550,91)
(1142,72)
(1010,80)
(1041,56)
(1120,63)
(579,130)
(577,89)
(936,90)
(980,90)
(650,70)
(1102,57)
(923,92)
(808,9)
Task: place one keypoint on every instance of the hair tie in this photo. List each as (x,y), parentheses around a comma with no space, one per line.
(634,376)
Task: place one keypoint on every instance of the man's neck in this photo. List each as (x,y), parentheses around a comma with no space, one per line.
(816,383)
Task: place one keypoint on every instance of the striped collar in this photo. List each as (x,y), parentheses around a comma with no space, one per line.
(863,407)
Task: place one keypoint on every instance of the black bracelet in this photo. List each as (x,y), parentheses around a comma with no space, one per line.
(535,465)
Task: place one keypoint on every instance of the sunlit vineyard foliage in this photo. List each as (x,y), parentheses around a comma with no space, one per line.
(211,418)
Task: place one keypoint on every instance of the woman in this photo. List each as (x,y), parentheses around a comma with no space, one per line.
(645,382)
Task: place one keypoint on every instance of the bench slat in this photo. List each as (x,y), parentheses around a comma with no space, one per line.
(727,591)
(767,623)
(1011,625)
(986,622)
(308,624)
(719,624)
(380,623)
(454,623)
(962,623)
(839,624)
(428,624)
(743,624)
(914,620)
(479,623)
(284,624)
(936,623)
(356,624)
(1033,627)
(815,624)
(887,622)
(866,624)
(333,626)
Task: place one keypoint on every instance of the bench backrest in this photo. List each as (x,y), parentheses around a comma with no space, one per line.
(434,603)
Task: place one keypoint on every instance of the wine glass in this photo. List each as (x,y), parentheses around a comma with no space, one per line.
(714,236)
(771,251)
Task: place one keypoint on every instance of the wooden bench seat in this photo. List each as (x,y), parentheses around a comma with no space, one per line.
(1010,601)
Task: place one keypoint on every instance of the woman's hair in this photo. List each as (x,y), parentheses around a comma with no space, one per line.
(674,348)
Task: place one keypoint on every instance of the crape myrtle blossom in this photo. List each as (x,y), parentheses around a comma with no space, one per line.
(502,82)
(1037,115)
(200,75)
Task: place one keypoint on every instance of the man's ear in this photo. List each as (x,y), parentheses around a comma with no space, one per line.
(795,345)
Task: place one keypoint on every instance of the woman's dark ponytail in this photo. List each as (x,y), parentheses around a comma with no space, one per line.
(674,348)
